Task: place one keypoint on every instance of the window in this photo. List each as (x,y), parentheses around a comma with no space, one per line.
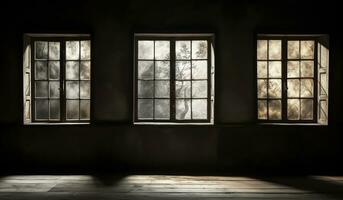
(57,78)
(174,78)
(290,72)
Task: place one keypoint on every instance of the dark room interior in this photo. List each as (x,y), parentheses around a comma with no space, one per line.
(171,100)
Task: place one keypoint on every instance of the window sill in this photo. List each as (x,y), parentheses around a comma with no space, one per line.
(55,124)
(172,123)
(292,124)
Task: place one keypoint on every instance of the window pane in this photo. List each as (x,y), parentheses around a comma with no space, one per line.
(54,89)
(162,50)
(306,88)
(199,49)
(72,70)
(293,88)
(162,69)
(323,84)
(199,70)
(41,50)
(275,109)
(84,109)
(42,109)
(199,109)
(41,70)
(183,70)
(85,50)
(274,69)
(199,89)
(293,69)
(323,110)
(183,50)
(162,109)
(293,109)
(72,50)
(307,68)
(72,89)
(307,49)
(293,50)
(274,88)
(306,109)
(162,89)
(182,89)
(261,69)
(54,67)
(145,49)
(145,108)
(85,70)
(72,107)
(324,55)
(262,109)
(54,50)
(183,109)
(85,90)
(275,49)
(262,88)
(54,109)
(146,70)
(262,49)
(42,89)
(145,89)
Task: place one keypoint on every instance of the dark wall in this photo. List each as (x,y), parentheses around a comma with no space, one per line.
(234,144)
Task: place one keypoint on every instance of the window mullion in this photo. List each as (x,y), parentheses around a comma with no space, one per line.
(284,97)
(172,80)
(62,82)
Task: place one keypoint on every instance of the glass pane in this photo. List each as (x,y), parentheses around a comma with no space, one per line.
(275,49)
(307,49)
(306,88)
(183,70)
(145,49)
(274,90)
(274,69)
(293,87)
(182,89)
(307,68)
(145,108)
(85,90)
(262,109)
(262,88)
(72,89)
(27,87)
(72,50)
(42,109)
(27,110)
(54,89)
(41,70)
(323,110)
(293,50)
(72,70)
(54,67)
(183,109)
(85,109)
(162,109)
(324,55)
(199,89)
(42,89)
(146,70)
(54,109)
(262,49)
(199,70)
(261,69)
(41,49)
(306,109)
(145,89)
(162,89)
(275,109)
(293,69)
(72,107)
(85,50)
(162,70)
(323,84)
(54,50)
(199,109)
(183,50)
(162,50)
(199,49)
(85,70)
(293,109)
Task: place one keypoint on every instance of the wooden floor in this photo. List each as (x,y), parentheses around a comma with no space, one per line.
(150,187)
